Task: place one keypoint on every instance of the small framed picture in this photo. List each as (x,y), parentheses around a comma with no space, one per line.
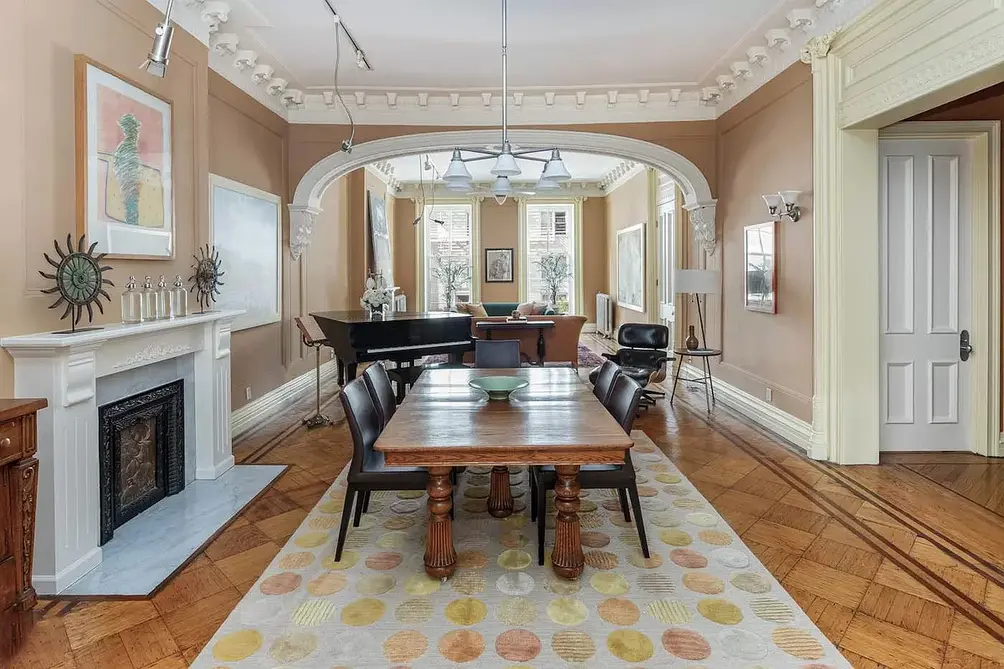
(760,278)
(498,266)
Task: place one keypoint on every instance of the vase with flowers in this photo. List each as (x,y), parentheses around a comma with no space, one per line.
(376,297)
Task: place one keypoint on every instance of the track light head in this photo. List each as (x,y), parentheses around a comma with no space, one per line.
(159,56)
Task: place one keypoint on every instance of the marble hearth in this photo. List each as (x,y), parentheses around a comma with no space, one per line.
(77,373)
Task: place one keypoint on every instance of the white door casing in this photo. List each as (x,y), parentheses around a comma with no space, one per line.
(926,199)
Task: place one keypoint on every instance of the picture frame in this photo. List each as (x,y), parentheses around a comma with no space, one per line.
(245,225)
(631,267)
(381,259)
(760,267)
(124,164)
(499,265)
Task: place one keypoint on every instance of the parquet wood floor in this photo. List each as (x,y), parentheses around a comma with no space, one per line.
(899,565)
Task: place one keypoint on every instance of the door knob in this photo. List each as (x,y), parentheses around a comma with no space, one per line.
(965,347)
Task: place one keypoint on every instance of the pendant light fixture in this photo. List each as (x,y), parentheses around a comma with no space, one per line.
(458,177)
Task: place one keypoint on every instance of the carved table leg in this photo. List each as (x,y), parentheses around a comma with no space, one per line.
(567,558)
(25,478)
(500,502)
(440,556)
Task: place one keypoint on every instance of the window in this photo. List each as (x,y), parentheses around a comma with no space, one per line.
(549,270)
(448,243)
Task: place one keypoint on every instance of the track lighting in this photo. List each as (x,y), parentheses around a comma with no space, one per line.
(159,56)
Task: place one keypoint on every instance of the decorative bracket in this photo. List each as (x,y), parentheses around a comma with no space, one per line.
(301,225)
(817,47)
(702,220)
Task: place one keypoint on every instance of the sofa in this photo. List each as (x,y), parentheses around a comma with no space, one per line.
(561,341)
(506,308)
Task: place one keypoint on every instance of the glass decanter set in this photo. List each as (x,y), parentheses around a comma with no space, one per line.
(149,303)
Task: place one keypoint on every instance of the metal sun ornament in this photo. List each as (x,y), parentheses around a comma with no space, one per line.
(79,277)
(206,277)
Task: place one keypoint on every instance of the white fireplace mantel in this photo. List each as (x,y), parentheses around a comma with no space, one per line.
(64,368)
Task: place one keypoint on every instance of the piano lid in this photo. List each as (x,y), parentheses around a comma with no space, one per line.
(350,317)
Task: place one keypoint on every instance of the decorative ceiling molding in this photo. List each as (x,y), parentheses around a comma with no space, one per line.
(384,171)
(412,190)
(620,175)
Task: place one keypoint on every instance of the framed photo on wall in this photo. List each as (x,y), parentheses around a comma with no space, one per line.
(498,266)
(124,161)
(631,267)
(760,277)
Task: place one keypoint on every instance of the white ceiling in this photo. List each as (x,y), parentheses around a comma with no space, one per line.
(582,166)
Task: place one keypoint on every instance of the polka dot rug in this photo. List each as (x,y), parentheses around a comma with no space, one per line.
(701,600)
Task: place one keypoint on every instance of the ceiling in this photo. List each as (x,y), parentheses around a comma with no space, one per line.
(583,167)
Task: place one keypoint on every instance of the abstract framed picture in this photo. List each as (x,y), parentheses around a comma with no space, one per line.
(631,267)
(498,266)
(381,258)
(759,277)
(124,161)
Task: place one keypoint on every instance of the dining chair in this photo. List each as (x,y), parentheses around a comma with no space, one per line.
(604,383)
(622,403)
(382,391)
(367,470)
(502,353)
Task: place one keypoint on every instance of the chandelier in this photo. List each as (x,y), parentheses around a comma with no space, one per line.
(458,177)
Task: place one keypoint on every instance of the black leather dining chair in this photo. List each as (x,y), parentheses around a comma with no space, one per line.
(622,403)
(367,470)
(603,385)
(382,391)
(500,353)
(643,356)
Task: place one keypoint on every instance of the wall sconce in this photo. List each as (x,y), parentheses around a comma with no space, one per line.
(784,203)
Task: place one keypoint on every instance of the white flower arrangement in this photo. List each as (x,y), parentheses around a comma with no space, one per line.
(376,296)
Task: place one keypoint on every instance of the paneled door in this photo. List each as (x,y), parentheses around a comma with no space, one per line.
(926,195)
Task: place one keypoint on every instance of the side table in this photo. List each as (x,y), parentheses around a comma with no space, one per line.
(538,325)
(705,354)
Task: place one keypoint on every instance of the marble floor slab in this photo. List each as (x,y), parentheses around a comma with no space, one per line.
(149,548)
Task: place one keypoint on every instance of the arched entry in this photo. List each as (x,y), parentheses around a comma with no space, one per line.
(306,204)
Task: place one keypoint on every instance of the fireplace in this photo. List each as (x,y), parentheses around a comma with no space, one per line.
(141,443)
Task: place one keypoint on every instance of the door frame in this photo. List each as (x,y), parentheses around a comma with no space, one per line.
(985,271)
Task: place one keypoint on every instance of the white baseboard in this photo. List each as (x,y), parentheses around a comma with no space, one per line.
(768,416)
(253,412)
(589,328)
(213,473)
(45,584)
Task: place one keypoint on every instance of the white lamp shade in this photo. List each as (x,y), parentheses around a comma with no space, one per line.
(789,196)
(457,171)
(459,186)
(502,187)
(547,185)
(773,200)
(506,165)
(697,281)
(555,169)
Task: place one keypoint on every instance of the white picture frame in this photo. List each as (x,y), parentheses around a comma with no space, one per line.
(239,214)
(631,268)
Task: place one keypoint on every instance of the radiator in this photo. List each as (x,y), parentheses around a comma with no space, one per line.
(604,315)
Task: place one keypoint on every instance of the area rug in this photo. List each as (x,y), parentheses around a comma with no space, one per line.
(701,599)
(587,359)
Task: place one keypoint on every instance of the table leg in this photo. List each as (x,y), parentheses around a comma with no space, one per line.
(711,382)
(440,556)
(676,378)
(541,348)
(567,558)
(707,377)
(341,373)
(488,334)
(350,371)
(500,503)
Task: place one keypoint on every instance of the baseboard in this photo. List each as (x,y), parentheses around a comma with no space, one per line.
(213,473)
(53,585)
(589,328)
(768,416)
(255,411)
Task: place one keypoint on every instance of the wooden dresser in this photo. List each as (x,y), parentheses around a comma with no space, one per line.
(18,487)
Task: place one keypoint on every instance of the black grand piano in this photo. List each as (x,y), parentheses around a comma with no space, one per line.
(400,337)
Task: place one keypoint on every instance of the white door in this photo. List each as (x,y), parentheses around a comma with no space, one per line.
(925,221)
(666,217)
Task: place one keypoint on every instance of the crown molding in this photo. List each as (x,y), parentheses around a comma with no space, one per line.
(568,190)
(384,171)
(620,175)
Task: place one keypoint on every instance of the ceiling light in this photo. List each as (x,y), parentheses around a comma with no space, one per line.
(457,170)
(555,169)
(501,189)
(546,184)
(158,58)
(459,186)
(506,165)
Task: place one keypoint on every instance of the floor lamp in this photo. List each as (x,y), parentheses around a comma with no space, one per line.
(698,282)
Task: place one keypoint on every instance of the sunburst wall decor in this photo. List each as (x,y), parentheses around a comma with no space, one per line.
(206,277)
(80,281)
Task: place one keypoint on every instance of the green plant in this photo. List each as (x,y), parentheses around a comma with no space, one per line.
(554,273)
(452,275)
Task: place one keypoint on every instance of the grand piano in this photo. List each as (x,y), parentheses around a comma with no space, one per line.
(400,337)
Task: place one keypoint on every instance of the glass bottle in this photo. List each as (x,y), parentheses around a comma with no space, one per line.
(132,303)
(179,298)
(149,300)
(163,299)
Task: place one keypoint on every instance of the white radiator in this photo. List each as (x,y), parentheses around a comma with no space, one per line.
(604,315)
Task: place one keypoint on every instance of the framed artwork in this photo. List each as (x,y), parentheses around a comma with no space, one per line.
(760,278)
(498,266)
(631,267)
(124,161)
(245,224)
(381,260)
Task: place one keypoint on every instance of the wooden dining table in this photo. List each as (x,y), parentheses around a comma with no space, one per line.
(555,420)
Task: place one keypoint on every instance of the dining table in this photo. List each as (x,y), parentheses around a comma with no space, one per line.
(555,419)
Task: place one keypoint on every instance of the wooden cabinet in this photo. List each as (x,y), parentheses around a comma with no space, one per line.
(18,489)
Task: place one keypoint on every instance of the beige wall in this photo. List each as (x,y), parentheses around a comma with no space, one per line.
(594,254)
(38,41)
(404,250)
(500,229)
(765,145)
(626,206)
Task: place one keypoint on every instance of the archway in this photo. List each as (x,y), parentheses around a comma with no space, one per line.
(306,204)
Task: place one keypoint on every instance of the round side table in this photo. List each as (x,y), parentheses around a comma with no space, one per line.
(705,354)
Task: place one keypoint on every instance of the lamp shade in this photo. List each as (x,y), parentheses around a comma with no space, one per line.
(506,165)
(697,281)
(555,169)
(547,185)
(459,186)
(773,200)
(457,171)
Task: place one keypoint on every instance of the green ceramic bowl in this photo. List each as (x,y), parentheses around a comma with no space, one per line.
(498,387)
